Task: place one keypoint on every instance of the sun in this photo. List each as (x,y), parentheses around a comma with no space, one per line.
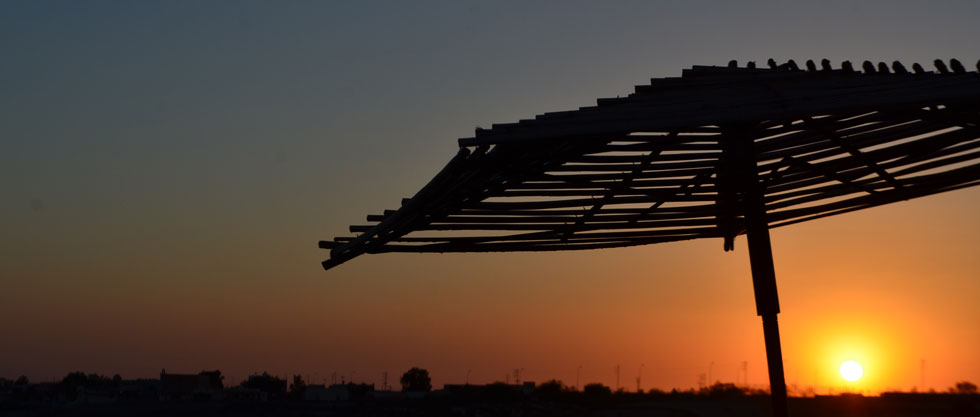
(851,371)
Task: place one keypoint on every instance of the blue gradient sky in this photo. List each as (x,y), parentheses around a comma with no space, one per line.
(166,169)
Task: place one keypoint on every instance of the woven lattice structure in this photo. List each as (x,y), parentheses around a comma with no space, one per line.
(662,164)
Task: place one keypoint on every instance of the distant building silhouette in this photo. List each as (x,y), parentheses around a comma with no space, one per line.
(204,385)
(272,386)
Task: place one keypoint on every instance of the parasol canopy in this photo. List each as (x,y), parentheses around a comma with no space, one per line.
(662,164)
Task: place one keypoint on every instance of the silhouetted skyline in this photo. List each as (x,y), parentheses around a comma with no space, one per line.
(209,393)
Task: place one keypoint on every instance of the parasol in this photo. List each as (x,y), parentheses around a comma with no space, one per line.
(715,153)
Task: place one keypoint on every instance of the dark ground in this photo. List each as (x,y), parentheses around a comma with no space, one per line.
(898,405)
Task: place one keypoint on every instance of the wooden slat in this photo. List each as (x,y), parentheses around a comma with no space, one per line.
(673,116)
(539,184)
(548,247)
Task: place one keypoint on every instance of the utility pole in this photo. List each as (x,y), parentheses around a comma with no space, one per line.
(617,377)
(639,380)
(710,366)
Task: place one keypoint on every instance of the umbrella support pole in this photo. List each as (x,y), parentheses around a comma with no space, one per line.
(739,149)
(767,304)
(774,355)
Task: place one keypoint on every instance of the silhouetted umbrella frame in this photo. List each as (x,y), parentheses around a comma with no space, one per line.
(717,152)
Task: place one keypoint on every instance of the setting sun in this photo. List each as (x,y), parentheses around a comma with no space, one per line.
(851,371)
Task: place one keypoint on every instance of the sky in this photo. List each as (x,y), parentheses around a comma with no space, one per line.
(167,168)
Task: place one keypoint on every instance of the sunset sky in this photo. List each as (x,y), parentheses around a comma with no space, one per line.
(167,168)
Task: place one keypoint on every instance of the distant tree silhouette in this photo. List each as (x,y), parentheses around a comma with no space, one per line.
(723,389)
(70,384)
(596,390)
(22,380)
(964,387)
(266,383)
(596,395)
(416,379)
(552,390)
(75,379)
